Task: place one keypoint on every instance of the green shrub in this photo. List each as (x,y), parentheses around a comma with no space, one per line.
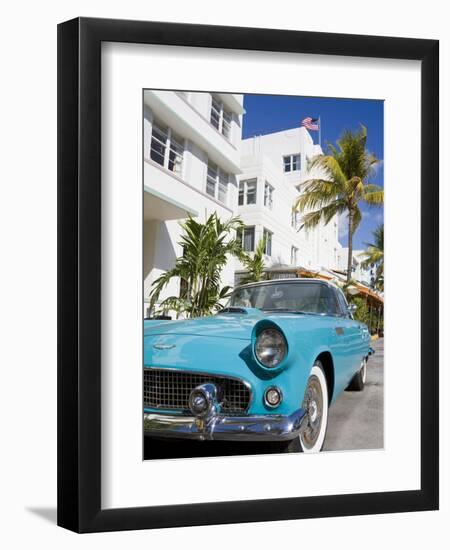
(362,310)
(364,315)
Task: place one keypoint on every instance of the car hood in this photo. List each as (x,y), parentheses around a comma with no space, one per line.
(224,325)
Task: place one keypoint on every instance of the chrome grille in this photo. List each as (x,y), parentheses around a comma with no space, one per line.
(170,389)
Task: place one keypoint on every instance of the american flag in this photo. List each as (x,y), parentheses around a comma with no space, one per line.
(310,123)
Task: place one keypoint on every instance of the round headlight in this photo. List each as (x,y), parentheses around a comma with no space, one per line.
(270,348)
(273,396)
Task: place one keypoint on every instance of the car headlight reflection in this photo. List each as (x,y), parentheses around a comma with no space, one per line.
(273,396)
(270,347)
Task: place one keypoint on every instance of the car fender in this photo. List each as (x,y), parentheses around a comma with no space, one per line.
(305,345)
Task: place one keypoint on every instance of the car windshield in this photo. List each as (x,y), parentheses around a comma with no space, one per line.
(299,297)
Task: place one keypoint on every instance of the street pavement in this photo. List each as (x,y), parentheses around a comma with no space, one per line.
(355,421)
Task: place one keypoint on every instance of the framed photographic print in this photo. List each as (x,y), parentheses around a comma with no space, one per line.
(239,340)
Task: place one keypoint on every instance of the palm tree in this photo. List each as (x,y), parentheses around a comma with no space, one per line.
(254,265)
(206,247)
(343,186)
(375,255)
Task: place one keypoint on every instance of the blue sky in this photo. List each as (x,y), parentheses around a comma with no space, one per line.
(270,113)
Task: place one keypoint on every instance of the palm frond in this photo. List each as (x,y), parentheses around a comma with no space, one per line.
(254,264)
(311,219)
(330,166)
(373,198)
(374,254)
(206,250)
(340,183)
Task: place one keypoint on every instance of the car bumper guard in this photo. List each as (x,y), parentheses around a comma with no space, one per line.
(270,427)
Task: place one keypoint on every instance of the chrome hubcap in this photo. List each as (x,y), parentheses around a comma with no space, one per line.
(312,411)
(313,406)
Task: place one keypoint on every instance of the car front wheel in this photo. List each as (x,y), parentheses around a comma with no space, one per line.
(315,405)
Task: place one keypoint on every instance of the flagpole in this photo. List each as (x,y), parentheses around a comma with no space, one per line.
(320,133)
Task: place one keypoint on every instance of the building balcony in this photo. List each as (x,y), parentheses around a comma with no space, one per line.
(233,102)
(188,123)
(179,198)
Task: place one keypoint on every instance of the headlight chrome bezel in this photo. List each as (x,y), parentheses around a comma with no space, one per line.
(266,397)
(270,332)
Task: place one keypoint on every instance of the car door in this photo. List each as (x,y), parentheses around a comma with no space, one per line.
(348,334)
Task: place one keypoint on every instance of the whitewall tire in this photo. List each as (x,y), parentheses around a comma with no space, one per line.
(315,404)
(364,371)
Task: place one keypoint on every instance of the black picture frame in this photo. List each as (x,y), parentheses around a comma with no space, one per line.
(79,274)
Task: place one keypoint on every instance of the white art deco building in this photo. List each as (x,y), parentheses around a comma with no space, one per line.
(192,145)
(195,163)
(273,166)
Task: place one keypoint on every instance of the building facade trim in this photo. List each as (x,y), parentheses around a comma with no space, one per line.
(200,192)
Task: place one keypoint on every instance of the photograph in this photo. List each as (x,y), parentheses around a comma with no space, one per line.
(195,212)
(263,274)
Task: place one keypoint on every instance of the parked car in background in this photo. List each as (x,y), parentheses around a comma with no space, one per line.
(265,368)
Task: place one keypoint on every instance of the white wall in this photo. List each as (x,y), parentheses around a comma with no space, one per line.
(262,158)
(28,222)
(170,109)
(278,219)
(201,102)
(161,238)
(287,142)
(192,121)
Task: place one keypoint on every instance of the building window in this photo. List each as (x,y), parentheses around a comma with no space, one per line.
(223,186)
(291,163)
(215,113)
(247,192)
(267,236)
(295,219)
(268,195)
(226,124)
(294,255)
(217,182)
(166,148)
(158,144)
(176,150)
(220,117)
(246,236)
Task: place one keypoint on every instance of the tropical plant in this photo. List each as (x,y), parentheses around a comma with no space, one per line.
(342,187)
(362,312)
(254,265)
(370,315)
(374,255)
(348,287)
(206,247)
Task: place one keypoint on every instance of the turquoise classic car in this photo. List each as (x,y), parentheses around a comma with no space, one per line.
(265,368)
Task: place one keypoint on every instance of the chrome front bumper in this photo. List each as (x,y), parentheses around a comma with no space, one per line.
(270,427)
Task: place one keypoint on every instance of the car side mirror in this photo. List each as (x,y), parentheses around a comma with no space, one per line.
(352,308)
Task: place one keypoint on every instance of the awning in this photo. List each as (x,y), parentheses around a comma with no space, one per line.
(370,294)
